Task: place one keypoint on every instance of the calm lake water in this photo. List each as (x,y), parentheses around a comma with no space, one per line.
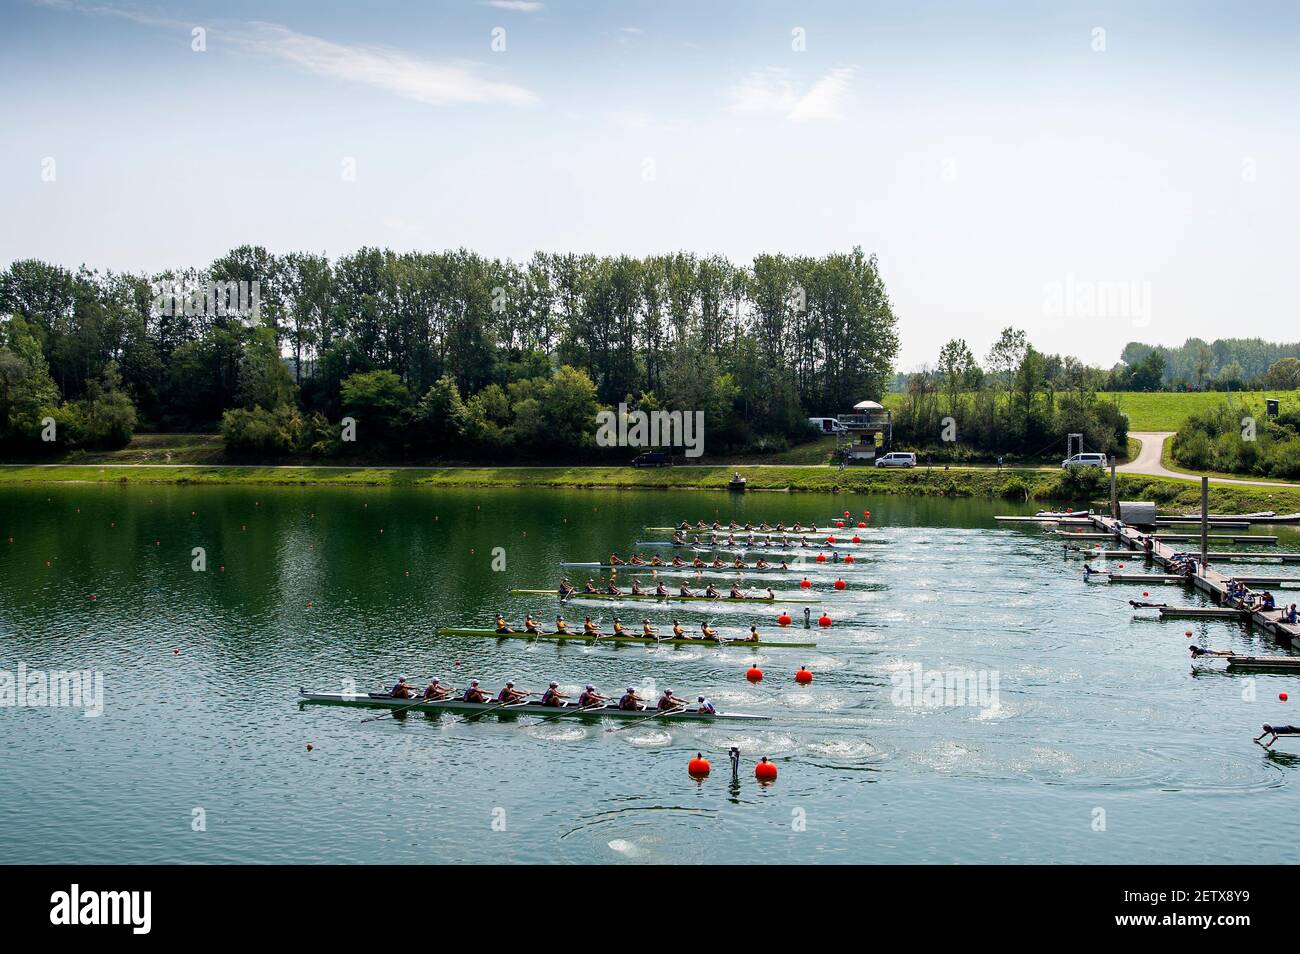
(1100,722)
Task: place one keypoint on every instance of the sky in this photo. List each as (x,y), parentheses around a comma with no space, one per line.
(1091,173)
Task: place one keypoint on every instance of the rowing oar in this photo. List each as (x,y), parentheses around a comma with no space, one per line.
(499,705)
(567,711)
(421,701)
(661,712)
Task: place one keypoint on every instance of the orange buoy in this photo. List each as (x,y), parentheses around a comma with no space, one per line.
(831,538)
(861,525)
(849,558)
(846,513)
(856,538)
(803,676)
(1282,696)
(805,584)
(765,771)
(840,584)
(824,620)
(698,767)
(821,558)
(754,674)
(783,619)
(1145,593)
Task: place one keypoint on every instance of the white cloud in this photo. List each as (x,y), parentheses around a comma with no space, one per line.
(773,90)
(519,6)
(383,68)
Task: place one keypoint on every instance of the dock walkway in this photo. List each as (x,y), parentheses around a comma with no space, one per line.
(1207,579)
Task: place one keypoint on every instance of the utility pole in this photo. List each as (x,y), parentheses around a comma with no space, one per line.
(1114,491)
(1205,522)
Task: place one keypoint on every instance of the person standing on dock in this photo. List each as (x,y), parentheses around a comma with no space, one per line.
(1290,615)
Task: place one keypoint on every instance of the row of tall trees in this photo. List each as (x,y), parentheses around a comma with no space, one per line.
(760,346)
(1231,364)
(1019,403)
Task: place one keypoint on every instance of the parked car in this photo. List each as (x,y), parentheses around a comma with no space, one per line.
(896,459)
(653,459)
(1085,460)
(827,425)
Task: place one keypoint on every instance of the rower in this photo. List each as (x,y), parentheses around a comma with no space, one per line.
(784,565)
(561,627)
(509,695)
(668,702)
(678,561)
(701,525)
(566,588)
(684,525)
(1197,651)
(705,707)
(753,635)
(591,586)
(678,632)
(679,540)
(707,631)
(630,700)
(771,597)
(656,560)
(613,589)
(737,593)
(530,625)
(474,693)
(739,564)
(718,564)
(646,628)
(614,560)
(401,690)
(502,625)
(717,525)
(1275,731)
(638,559)
(661,589)
(552,696)
(618,627)
(685,591)
(590,698)
(436,690)
(711,592)
(636,588)
(761,564)
(589,628)
(698,563)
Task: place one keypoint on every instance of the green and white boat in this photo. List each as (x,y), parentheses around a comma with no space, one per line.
(610,638)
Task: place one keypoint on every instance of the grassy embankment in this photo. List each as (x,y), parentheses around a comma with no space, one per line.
(1166,410)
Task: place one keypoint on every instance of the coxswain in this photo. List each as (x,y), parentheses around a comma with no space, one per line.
(474,693)
(630,700)
(530,625)
(618,627)
(502,625)
(561,626)
(704,706)
(552,696)
(668,702)
(436,690)
(753,635)
(711,592)
(401,690)
(589,698)
(589,628)
(509,695)
(661,590)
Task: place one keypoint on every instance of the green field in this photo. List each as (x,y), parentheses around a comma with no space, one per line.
(1166,410)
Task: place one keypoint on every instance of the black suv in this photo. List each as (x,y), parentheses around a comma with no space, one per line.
(653,459)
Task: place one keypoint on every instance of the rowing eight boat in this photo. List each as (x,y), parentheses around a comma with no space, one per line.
(383,700)
(670,598)
(584,638)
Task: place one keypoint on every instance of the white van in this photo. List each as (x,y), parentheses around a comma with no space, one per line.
(827,425)
(1085,460)
(896,459)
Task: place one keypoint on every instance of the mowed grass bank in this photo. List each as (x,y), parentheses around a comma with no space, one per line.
(1017,485)
(1166,410)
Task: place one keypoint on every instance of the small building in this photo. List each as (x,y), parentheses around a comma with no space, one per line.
(867,429)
